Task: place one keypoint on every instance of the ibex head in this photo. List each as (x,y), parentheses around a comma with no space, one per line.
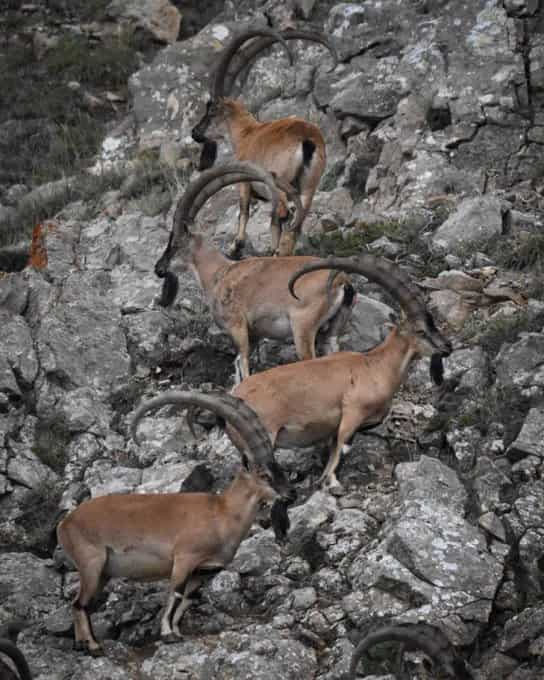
(196,194)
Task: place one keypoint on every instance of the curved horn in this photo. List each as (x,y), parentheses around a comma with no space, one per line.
(14,653)
(379,270)
(218,83)
(398,284)
(257,46)
(235,411)
(210,182)
(428,638)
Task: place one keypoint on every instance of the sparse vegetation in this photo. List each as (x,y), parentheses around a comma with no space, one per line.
(33,209)
(356,240)
(38,517)
(51,439)
(492,334)
(502,405)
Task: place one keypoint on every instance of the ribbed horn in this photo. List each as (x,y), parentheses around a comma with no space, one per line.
(233,410)
(429,639)
(210,182)
(250,52)
(379,270)
(14,653)
(218,83)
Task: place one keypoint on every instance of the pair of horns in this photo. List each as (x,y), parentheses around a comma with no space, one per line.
(262,39)
(213,180)
(233,410)
(416,636)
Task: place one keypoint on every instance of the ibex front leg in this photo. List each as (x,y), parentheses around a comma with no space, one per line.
(240,240)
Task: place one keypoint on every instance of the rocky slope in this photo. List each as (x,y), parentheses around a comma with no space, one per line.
(434,122)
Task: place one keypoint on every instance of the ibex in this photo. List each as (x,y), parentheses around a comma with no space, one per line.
(8,636)
(305,402)
(416,636)
(182,536)
(291,148)
(337,395)
(250,299)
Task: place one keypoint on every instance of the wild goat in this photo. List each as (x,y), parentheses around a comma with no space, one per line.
(8,637)
(250,299)
(302,403)
(291,148)
(182,536)
(415,636)
(308,401)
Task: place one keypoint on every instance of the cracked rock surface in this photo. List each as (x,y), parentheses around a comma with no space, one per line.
(434,125)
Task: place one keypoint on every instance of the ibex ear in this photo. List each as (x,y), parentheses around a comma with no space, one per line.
(388,326)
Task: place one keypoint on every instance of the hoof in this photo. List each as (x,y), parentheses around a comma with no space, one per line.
(96,652)
(170,638)
(332,486)
(83,646)
(235,251)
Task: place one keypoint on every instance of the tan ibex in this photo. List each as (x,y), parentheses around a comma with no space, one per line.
(335,396)
(183,536)
(291,148)
(309,401)
(250,299)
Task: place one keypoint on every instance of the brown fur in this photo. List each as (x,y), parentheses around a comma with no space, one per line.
(277,146)
(309,401)
(247,297)
(153,536)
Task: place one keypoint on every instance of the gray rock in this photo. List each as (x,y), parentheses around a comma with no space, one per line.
(475,220)
(257,554)
(522,628)
(468,367)
(17,350)
(430,480)
(13,293)
(530,440)
(159,17)
(82,319)
(367,325)
(491,485)
(29,586)
(520,365)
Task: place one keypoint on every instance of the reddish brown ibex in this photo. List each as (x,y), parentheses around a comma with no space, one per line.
(291,148)
(334,396)
(182,536)
(250,299)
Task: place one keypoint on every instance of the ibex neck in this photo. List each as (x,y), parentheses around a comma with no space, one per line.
(206,261)
(395,355)
(242,502)
(240,122)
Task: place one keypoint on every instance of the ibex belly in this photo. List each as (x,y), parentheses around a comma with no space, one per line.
(271,324)
(138,563)
(305,434)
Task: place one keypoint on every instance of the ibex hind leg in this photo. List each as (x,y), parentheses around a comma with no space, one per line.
(90,577)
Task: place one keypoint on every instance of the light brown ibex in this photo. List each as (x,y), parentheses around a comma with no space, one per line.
(309,401)
(291,148)
(250,299)
(182,536)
